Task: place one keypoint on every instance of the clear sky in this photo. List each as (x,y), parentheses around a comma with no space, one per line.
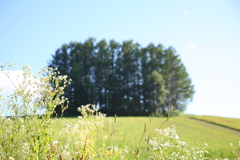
(206,35)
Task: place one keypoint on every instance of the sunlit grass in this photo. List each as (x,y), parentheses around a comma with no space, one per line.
(129,131)
(28,135)
(233,123)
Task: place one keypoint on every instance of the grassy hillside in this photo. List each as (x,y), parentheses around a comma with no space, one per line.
(223,121)
(130,131)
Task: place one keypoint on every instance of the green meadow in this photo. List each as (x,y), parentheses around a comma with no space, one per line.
(28,135)
(134,131)
(232,123)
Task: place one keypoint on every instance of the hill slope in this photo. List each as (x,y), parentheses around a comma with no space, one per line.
(195,132)
(232,123)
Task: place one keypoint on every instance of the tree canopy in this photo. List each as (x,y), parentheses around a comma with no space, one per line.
(123,78)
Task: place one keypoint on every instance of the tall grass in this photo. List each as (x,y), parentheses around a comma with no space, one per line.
(219,139)
(30,135)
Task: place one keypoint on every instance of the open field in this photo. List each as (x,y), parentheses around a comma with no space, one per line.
(223,121)
(130,130)
(97,137)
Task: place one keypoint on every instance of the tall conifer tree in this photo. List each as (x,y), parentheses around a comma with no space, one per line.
(123,78)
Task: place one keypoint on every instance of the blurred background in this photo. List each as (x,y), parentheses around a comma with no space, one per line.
(204,33)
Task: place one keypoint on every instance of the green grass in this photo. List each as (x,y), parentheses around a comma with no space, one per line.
(223,121)
(197,132)
(130,130)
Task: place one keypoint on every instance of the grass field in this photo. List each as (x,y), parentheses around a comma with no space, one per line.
(223,121)
(130,131)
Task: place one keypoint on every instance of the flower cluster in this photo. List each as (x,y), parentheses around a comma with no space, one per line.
(236,150)
(90,110)
(168,146)
(27,134)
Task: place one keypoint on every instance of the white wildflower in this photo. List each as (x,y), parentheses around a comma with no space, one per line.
(56,142)
(9,64)
(174,154)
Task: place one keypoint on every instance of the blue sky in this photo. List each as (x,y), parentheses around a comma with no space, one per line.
(204,33)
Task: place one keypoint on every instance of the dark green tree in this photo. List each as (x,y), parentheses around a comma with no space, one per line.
(179,86)
(123,78)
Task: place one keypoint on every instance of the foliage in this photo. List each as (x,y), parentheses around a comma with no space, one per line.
(32,96)
(123,78)
(24,133)
(194,132)
(167,145)
(28,135)
(177,81)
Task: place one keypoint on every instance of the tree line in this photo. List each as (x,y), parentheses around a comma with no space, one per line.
(123,78)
